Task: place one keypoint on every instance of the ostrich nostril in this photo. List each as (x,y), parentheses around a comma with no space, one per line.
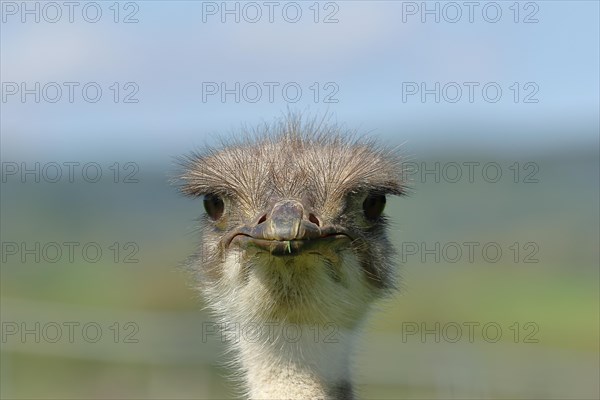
(262,219)
(312,218)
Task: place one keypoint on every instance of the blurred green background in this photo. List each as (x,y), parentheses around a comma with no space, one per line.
(151,343)
(558,294)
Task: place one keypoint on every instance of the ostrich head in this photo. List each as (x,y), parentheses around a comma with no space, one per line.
(294,230)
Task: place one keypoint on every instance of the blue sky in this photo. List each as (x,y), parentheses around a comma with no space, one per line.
(364,60)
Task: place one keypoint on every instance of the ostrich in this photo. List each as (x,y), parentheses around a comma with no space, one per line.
(294,251)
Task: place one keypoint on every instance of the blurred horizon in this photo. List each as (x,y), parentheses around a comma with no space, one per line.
(512,171)
(553,295)
(170,64)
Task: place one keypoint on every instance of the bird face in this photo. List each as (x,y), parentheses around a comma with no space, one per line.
(287,230)
(293,227)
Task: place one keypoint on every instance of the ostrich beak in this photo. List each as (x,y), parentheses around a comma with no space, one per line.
(286,230)
(286,223)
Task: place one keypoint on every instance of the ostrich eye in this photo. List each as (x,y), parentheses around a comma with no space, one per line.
(373,206)
(214,206)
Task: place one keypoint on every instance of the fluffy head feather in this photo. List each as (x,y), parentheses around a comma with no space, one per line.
(331,173)
(324,189)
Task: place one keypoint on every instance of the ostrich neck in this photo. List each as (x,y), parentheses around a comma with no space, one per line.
(296,362)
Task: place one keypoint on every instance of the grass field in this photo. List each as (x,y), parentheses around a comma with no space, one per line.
(547,308)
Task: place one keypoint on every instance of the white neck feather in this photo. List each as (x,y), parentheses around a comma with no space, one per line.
(292,327)
(288,361)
